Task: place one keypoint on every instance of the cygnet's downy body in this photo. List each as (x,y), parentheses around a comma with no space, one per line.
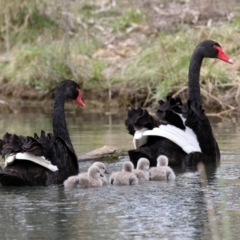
(92,179)
(142,169)
(103,170)
(126,177)
(162,171)
(71,182)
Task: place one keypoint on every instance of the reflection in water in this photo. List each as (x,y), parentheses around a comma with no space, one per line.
(151,210)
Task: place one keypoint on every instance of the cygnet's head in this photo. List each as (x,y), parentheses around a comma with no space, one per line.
(143,164)
(127,167)
(101,166)
(162,161)
(94,172)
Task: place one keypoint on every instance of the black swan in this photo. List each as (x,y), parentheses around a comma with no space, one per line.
(45,160)
(182,132)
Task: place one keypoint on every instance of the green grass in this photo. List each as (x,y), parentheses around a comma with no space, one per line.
(42,43)
(125,21)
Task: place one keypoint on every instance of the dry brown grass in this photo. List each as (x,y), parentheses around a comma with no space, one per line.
(119,50)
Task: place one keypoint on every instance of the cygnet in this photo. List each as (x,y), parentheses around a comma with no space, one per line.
(103,170)
(142,169)
(91,180)
(162,171)
(126,177)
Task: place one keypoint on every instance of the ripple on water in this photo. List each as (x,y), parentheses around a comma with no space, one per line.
(151,210)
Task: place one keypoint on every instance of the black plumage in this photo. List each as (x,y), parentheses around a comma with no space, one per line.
(196,119)
(56,147)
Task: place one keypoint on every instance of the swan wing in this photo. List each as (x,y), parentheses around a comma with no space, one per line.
(30,157)
(187,139)
(139,139)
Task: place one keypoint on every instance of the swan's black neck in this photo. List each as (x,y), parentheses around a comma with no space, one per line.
(59,121)
(194,75)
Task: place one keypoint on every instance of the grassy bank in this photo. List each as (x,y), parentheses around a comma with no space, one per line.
(115,52)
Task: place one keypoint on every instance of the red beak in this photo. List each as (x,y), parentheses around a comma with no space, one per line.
(223,56)
(79,100)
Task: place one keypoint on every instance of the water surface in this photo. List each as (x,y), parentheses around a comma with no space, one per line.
(180,209)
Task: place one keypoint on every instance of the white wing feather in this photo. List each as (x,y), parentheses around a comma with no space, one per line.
(139,139)
(30,157)
(187,139)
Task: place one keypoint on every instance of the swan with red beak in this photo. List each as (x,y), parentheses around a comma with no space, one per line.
(184,135)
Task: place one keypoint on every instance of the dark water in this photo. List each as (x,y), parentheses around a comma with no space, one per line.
(181,209)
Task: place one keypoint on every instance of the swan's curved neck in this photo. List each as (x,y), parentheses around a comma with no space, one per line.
(194,75)
(59,121)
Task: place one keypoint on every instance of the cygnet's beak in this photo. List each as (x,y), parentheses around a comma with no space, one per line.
(101,175)
(106,171)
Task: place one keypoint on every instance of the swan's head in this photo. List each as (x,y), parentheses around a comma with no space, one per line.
(72,90)
(101,166)
(143,164)
(127,167)
(162,161)
(94,172)
(212,49)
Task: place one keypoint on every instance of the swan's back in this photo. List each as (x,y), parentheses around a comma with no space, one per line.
(24,172)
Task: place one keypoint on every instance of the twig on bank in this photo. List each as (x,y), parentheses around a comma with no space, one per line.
(11,109)
(220,113)
(216,99)
(179,91)
(227,85)
(148,95)
(237,94)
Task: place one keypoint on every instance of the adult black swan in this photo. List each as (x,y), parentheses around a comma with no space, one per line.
(45,160)
(182,132)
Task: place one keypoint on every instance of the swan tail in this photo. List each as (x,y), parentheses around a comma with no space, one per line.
(138,121)
(170,111)
(140,118)
(193,112)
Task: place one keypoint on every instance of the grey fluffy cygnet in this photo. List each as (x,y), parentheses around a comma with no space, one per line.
(142,169)
(92,179)
(71,182)
(103,170)
(125,177)
(162,171)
